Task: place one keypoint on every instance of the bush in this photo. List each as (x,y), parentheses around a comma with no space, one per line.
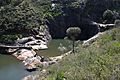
(117,23)
(8,38)
(23,15)
(108,15)
(60,76)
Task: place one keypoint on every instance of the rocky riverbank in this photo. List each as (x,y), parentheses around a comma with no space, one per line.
(29,56)
(25,48)
(45,63)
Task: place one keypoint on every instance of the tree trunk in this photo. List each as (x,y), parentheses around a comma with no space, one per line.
(73,46)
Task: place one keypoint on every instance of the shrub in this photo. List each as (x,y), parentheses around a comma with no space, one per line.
(108,15)
(117,23)
(8,38)
(60,76)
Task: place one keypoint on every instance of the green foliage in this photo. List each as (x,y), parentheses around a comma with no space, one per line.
(117,23)
(99,61)
(4,2)
(19,17)
(60,76)
(108,15)
(16,2)
(73,32)
(45,10)
(110,36)
(8,38)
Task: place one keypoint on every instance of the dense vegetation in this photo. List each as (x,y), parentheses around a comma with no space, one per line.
(19,17)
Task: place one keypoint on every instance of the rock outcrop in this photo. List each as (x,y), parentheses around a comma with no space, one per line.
(36,44)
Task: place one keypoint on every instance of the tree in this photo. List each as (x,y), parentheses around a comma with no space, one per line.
(22,17)
(108,16)
(72,34)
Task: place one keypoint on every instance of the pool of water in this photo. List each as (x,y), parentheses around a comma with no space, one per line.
(53,48)
(13,69)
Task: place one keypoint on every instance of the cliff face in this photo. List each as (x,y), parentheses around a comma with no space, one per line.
(80,16)
(58,28)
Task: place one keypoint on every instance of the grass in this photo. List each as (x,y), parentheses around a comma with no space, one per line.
(99,61)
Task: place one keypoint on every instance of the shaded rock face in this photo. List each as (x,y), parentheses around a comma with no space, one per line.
(94,8)
(58,27)
(91,10)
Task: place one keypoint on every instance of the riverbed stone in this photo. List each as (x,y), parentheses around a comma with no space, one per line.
(23,54)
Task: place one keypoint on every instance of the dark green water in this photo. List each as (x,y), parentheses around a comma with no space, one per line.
(12,69)
(53,48)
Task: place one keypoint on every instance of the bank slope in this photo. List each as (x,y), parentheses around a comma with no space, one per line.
(99,61)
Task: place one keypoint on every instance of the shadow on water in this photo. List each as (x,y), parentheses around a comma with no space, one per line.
(3,51)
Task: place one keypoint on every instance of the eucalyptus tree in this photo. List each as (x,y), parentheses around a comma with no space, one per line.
(73,33)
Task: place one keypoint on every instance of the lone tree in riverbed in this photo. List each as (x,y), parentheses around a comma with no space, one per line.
(72,34)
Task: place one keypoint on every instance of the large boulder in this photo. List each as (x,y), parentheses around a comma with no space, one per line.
(24,40)
(23,54)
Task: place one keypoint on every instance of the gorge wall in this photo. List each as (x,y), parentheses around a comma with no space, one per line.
(81,16)
(20,17)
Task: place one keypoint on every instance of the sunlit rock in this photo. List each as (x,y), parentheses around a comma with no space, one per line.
(23,54)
